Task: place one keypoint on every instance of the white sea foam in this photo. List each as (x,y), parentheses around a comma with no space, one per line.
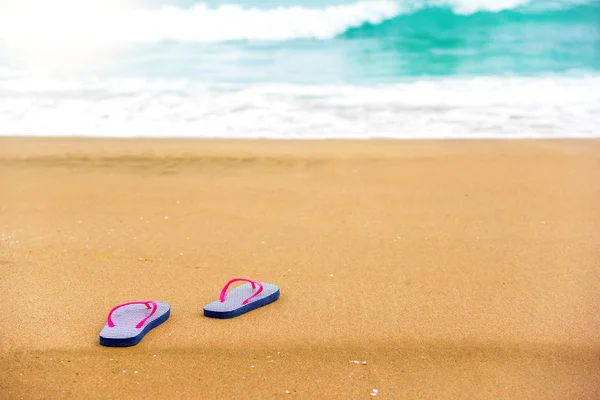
(441,108)
(196,24)
(70,21)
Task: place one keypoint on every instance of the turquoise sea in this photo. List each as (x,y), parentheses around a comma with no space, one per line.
(301,69)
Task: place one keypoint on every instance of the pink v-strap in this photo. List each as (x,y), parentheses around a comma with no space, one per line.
(142,322)
(254,283)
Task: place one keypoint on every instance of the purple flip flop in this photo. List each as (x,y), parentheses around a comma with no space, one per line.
(242,299)
(128,323)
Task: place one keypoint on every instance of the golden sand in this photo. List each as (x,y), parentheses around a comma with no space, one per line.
(455,269)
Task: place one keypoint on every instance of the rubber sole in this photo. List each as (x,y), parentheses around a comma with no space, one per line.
(136,339)
(242,310)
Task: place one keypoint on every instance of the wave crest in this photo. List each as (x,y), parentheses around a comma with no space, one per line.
(201,23)
(197,24)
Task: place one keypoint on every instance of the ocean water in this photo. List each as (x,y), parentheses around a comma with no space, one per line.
(300,69)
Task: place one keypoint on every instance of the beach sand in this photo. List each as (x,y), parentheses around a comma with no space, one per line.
(455,269)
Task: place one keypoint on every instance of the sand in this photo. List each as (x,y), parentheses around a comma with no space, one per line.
(454,269)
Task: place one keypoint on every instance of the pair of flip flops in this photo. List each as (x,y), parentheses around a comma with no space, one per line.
(128,323)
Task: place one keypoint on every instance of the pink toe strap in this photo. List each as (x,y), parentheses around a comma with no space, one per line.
(142,322)
(254,283)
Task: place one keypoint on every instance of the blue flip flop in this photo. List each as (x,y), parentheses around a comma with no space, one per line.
(128,323)
(242,299)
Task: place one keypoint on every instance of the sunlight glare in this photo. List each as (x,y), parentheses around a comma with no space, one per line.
(60,34)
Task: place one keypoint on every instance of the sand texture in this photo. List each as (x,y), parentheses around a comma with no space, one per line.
(456,270)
